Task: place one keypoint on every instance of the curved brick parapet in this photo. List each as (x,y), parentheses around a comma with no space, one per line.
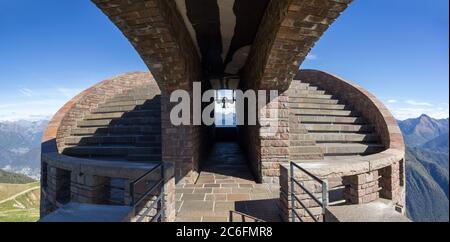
(65,119)
(72,179)
(365,178)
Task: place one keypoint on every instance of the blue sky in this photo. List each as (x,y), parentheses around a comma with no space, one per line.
(51,49)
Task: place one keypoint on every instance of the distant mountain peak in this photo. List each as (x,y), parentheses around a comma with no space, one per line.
(420,130)
(424,116)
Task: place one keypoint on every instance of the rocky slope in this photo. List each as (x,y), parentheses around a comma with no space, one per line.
(427,168)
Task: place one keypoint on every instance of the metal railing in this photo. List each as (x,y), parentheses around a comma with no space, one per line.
(244,217)
(322,202)
(147,195)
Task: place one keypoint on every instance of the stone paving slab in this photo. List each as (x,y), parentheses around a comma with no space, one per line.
(226,185)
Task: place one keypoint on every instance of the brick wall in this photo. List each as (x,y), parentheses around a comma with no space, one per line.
(73,179)
(157,31)
(287,32)
(286,200)
(65,119)
(372,110)
(366,178)
(289,29)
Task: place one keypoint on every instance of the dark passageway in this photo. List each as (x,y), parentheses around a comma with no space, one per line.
(226,160)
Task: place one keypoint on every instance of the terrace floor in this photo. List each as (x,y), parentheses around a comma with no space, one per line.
(226,186)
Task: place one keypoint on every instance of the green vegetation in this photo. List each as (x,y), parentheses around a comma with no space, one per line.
(19,202)
(9,190)
(23,208)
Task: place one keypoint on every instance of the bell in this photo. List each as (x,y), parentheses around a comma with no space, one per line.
(224,102)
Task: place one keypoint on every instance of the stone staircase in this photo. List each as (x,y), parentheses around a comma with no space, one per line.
(126,127)
(322,125)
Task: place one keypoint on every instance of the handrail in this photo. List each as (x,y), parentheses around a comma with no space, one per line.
(323,201)
(157,204)
(243,216)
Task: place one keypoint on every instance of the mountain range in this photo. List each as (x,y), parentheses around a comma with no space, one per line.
(427,168)
(20,146)
(427,161)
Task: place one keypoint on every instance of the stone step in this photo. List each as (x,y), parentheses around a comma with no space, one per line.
(141,91)
(105,140)
(312,100)
(330,119)
(317,106)
(302,86)
(115,115)
(345,138)
(110,150)
(299,92)
(338,128)
(330,149)
(294,141)
(315,96)
(312,149)
(123,121)
(296,156)
(119,130)
(322,112)
(122,109)
(156,102)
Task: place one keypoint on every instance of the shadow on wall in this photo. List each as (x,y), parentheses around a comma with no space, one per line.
(135,136)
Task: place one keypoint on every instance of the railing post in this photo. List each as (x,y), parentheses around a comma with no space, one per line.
(324,199)
(292,192)
(132,194)
(162,194)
